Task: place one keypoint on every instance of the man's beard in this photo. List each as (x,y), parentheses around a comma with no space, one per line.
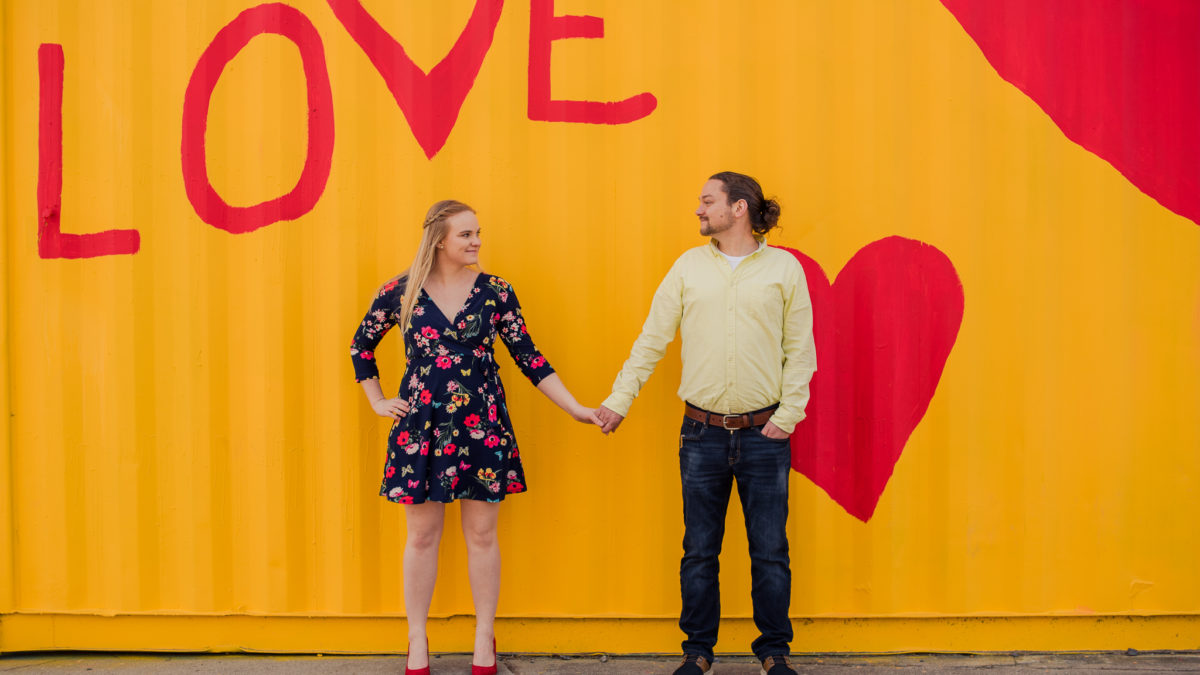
(707,228)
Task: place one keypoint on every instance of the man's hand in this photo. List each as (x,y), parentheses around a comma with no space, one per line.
(610,419)
(771,431)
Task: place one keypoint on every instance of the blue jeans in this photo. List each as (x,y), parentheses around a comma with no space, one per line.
(710,459)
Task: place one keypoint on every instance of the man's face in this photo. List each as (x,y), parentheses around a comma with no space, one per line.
(715,212)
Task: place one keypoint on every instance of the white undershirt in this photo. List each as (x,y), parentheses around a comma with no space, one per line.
(735,260)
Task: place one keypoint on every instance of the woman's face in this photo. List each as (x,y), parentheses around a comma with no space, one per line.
(461,245)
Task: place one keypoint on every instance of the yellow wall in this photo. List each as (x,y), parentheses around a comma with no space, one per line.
(185,439)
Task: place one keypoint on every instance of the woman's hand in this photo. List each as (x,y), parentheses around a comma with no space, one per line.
(556,391)
(394,408)
(585,415)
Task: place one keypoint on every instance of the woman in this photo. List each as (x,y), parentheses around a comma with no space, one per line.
(452,438)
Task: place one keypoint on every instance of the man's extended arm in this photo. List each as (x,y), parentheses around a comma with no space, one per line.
(666,310)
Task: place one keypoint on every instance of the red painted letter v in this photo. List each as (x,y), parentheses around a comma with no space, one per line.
(430,102)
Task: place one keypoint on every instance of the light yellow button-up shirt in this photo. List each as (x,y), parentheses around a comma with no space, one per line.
(747,335)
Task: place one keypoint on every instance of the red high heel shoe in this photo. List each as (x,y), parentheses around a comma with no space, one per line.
(416,671)
(487,670)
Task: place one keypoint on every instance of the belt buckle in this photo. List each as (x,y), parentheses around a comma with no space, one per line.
(725,422)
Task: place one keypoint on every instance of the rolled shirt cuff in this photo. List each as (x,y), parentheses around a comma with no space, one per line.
(618,403)
(785,422)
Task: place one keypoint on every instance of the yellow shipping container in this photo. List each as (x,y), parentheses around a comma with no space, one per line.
(190,466)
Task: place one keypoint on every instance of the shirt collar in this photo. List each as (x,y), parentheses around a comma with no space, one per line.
(762,243)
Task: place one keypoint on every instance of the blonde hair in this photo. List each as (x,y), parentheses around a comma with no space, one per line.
(434,234)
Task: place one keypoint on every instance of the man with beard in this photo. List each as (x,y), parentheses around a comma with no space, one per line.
(743,311)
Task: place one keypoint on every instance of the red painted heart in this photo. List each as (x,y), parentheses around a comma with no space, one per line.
(430,101)
(883,332)
(1120,78)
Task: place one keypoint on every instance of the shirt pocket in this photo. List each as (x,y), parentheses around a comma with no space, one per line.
(762,301)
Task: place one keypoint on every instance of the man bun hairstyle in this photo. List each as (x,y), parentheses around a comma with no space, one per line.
(764,213)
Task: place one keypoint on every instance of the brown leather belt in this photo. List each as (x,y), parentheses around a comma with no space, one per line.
(731,422)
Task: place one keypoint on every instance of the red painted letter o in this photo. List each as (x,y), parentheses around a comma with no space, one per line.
(290,23)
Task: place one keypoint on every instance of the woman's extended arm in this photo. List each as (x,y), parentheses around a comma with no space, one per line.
(554,389)
(512,329)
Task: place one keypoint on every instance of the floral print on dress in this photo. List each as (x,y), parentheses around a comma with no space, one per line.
(456,442)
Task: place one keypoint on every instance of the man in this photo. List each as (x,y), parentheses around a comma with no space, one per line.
(743,311)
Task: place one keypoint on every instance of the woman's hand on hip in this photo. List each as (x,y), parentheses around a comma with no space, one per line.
(394,408)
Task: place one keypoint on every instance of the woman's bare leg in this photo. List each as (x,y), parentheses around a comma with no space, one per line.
(479,521)
(424,523)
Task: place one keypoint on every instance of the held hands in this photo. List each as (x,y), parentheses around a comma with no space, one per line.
(607,420)
(585,415)
(394,408)
(595,416)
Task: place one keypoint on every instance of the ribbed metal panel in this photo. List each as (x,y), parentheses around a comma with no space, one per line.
(184,435)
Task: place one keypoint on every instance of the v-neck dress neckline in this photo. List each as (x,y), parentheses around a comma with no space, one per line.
(452,320)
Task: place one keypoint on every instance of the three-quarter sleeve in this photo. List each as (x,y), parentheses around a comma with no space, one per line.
(511,326)
(385,310)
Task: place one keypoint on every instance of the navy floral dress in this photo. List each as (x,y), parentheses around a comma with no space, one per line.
(456,442)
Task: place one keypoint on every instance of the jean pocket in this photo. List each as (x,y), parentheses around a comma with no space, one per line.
(759,432)
(690,431)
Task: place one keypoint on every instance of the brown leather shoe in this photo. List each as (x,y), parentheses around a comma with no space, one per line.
(777,665)
(693,664)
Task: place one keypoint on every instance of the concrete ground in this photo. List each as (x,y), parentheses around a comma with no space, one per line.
(1108,663)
